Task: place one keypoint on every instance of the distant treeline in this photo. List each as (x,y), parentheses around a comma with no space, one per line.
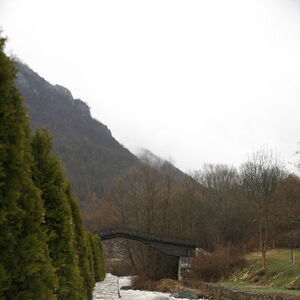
(227,210)
(46,253)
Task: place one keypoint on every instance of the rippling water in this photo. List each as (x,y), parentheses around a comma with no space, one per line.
(108,290)
(140,295)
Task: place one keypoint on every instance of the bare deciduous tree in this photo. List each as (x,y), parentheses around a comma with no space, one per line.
(262,179)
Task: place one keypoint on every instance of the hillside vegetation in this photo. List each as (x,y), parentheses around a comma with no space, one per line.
(94,160)
(92,157)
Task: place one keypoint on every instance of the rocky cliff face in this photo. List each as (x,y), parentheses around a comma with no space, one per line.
(92,158)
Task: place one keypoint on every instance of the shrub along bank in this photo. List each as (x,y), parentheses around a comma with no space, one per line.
(245,277)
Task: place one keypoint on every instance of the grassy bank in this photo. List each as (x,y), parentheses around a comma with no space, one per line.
(280,276)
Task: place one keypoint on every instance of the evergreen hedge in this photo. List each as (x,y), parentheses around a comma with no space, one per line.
(45,251)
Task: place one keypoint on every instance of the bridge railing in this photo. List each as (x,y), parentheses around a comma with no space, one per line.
(146,235)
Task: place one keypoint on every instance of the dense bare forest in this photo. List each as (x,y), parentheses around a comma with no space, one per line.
(253,207)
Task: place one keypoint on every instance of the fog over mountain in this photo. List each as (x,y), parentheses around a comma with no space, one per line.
(92,158)
(197,81)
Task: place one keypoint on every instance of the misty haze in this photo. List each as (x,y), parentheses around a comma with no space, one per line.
(149,149)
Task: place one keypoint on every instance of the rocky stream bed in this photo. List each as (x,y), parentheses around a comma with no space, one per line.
(111,288)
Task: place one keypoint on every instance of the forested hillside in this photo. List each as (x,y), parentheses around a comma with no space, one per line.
(46,253)
(92,157)
(229,211)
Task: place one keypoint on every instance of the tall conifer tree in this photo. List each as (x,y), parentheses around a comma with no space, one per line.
(101,256)
(82,247)
(97,258)
(49,177)
(25,266)
(89,238)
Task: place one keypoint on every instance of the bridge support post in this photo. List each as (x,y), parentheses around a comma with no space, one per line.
(184,264)
(179,275)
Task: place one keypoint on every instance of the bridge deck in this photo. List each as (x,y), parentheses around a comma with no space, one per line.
(168,245)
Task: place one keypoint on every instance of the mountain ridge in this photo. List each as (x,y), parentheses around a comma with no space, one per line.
(92,157)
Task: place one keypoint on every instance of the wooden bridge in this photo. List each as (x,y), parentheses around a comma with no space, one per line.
(166,244)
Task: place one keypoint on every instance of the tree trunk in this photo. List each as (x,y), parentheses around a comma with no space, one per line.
(264,257)
(263,236)
(260,237)
(293,255)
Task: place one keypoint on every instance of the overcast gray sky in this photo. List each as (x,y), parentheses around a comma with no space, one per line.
(197,81)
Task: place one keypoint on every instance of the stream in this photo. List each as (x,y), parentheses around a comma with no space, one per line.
(110,288)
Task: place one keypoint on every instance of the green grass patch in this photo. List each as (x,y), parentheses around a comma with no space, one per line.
(280,275)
